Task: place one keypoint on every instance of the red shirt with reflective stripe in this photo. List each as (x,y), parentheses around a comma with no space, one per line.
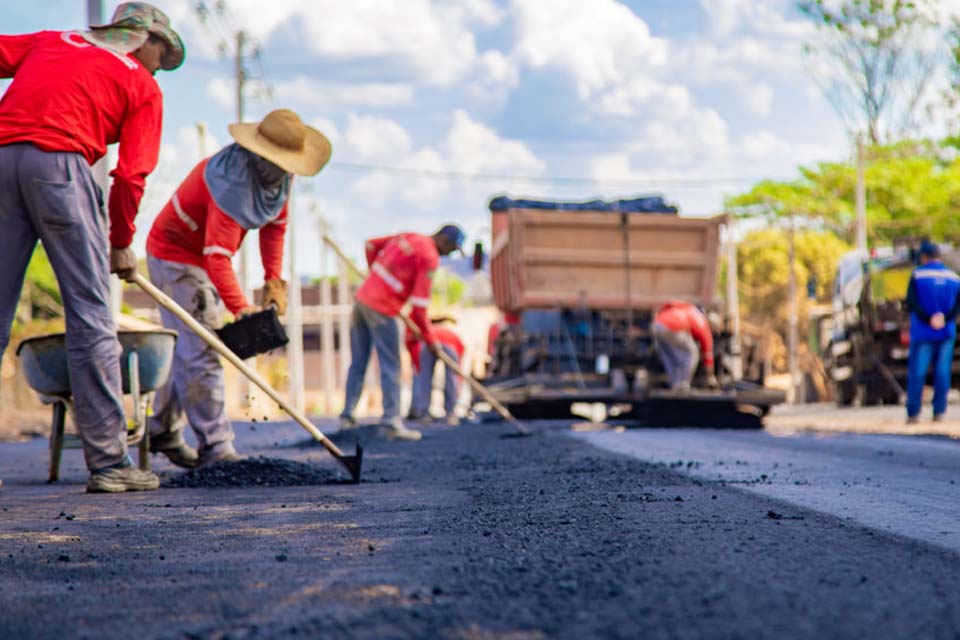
(685,317)
(68,95)
(401,269)
(192,229)
(445,337)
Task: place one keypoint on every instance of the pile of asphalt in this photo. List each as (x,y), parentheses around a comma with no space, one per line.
(255,472)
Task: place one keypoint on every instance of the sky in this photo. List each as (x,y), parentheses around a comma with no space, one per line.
(435,106)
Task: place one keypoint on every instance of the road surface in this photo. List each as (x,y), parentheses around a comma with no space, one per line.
(467,535)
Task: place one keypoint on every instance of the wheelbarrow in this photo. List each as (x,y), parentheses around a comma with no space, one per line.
(144,367)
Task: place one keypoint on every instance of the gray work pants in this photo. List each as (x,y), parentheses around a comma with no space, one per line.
(679,353)
(195,388)
(371,330)
(423,384)
(51,196)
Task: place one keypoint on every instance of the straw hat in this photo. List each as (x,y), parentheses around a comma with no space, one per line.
(128,28)
(284,140)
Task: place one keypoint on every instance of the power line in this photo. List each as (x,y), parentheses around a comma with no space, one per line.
(437,174)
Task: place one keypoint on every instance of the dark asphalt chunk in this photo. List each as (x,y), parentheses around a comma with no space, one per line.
(254,472)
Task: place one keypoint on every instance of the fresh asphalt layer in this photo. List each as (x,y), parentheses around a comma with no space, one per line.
(903,485)
(470,535)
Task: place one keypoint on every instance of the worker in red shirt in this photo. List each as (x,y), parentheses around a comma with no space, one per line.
(401,270)
(244,186)
(683,337)
(73,93)
(424,362)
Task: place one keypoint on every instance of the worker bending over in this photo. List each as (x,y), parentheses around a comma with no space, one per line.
(424,362)
(244,186)
(73,93)
(401,270)
(932,298)
(683,337)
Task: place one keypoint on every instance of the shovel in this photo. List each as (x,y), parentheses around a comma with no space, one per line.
(447,360)
(351,463)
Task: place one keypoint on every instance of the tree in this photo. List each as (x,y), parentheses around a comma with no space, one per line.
(878,62)
(914,191)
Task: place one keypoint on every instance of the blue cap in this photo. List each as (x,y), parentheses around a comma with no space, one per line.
(454,233)
(929,249)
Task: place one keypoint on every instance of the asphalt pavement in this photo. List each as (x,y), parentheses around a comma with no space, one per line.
(638,534)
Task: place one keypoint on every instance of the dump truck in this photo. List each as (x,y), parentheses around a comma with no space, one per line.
(578,285)
(866,357)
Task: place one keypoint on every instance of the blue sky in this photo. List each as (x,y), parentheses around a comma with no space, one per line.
(695,99)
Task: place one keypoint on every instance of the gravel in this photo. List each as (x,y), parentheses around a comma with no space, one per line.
(255,472)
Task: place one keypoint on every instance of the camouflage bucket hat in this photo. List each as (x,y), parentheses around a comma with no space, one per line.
(129,27)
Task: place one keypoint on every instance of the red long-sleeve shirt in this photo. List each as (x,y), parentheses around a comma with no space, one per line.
(192,229)
(445,337)
(685,317)
(401,269)
(70,96)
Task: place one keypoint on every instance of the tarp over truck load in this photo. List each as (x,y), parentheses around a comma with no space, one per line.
(604,260)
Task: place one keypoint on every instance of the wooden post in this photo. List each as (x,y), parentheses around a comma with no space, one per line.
(861,197)
(733,305)
(343,323)
(294,319)
(326,324)
(794,312)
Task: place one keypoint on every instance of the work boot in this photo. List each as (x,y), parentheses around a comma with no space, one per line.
(176,449)
(221,452)
(347,423)
(913,419)
(938,417)
(397,430)
(453,420)
(122,477)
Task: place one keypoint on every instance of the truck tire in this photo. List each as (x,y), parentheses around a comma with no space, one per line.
(845,393)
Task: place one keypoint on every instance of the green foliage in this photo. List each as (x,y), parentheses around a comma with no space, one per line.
(764,271)
(913,189)
(447,289)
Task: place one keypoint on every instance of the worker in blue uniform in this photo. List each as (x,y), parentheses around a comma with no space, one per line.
(932,299)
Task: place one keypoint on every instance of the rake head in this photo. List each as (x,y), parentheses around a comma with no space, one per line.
(353,464)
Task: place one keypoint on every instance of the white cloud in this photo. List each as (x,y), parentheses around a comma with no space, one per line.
(759,99)
(473,147)
(373,138)
(601,44)
(222,92)
(434,40)
(307,92)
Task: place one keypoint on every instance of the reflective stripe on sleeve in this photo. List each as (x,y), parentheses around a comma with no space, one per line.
(214,249)
(392,281)
(419,302)
(187,220)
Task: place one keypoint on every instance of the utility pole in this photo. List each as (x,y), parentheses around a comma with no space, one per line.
(294,320)
(240,78)
(794,312)
(861,197)
(733,304)
(326,321)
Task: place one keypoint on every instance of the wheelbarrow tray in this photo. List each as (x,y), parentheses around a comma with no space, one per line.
(44,360)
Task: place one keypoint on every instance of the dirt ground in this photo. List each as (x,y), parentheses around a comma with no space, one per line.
(463,535)
(890,420)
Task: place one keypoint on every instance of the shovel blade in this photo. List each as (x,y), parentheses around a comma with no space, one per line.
(353,464)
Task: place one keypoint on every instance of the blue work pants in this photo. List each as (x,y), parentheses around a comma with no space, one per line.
(371,330)
(423,384)
(922,353)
